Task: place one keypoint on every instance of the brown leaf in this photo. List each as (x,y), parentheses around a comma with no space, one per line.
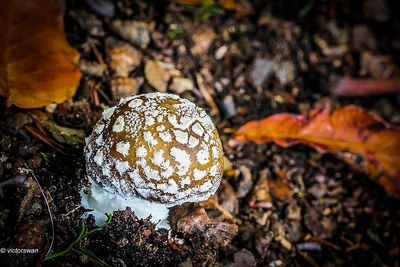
(202,39)
(124,87)
(124,58)
(37,66)
(197,221)
(347,129)
(156,76)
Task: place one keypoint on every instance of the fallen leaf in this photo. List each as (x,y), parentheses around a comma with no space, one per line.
(123,58)
(202,39)
(124,87)
(37,65)
(180,85)
(156,76)
(216,232)
(348,129)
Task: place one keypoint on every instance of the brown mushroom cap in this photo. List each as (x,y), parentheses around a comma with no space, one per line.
(158,147)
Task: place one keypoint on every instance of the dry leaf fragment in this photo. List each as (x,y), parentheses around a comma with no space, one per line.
(124,87)
(347,129)
(124,58)
(37,65)
(202,39)
(220,233)
(180,85)
(156,76)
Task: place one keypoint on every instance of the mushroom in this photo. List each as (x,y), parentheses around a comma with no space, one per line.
(149,153)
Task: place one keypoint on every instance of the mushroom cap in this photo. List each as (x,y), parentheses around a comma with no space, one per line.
(158,147)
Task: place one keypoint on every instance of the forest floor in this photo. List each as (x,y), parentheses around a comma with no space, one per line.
(263,58)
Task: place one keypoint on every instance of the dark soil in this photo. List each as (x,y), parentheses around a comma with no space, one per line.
(325,215)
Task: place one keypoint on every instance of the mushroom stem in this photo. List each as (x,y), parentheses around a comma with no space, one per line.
(100,202)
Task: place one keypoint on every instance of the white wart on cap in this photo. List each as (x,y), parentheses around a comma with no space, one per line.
(156,147)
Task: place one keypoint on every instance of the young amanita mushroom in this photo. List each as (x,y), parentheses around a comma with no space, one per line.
(149,153)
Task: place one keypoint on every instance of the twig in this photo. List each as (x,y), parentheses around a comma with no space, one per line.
(44,139)
(71,211)
(106,98)
(207,96)
(324,242)
(94,96)
(358,87)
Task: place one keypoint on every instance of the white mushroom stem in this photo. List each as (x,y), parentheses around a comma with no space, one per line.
(101,202)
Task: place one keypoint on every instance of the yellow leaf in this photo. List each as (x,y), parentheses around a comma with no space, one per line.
(37,65)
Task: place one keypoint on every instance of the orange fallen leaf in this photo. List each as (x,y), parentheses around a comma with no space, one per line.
(349,129)
(202,39)
(37,65)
